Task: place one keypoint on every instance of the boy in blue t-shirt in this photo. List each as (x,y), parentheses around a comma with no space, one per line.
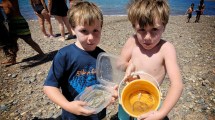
(74,66)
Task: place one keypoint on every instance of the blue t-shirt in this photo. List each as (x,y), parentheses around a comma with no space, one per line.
(72,70)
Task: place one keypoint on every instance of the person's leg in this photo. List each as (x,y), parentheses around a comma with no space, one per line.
(188,19)
(28,39)
(42,26)
(10,56)
(61,27)
(196,18)
(48,21)
(199,17)
(68,26)
(11,50)
(9,47)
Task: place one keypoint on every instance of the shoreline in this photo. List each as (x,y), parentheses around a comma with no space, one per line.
(52,18)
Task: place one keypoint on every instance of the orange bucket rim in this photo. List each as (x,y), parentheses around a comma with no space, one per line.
(136,73)
(138,80)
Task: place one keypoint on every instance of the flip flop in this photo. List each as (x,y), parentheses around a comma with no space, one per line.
(71,37)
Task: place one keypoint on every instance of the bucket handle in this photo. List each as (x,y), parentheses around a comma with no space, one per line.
(142,72)
(136,73)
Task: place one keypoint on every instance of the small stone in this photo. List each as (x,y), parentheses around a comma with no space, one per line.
(38,114)
(58,107)
(191,106)
(3,107)
(14,75)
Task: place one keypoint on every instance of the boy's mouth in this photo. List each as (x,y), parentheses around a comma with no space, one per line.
(147,44)
(90,44)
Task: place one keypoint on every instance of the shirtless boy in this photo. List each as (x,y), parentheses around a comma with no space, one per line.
(146,51)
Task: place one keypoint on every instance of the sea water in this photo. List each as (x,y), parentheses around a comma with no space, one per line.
(118,7)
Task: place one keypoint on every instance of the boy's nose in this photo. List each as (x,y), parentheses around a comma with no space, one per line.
(148,36)
(90,36)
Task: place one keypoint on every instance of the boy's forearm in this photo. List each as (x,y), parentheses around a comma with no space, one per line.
(56,96)
(125,55)
(173,95)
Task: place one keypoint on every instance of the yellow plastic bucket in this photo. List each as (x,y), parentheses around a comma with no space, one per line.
(140,96)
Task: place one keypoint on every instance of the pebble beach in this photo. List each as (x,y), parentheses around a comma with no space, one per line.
(22,98)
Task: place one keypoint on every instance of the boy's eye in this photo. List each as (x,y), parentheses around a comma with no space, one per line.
(141,30)
(95,30)
(155,29)
(84,31)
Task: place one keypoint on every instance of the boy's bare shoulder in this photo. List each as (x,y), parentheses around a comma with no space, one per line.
(132,37)
(166,46)
(165,43)
(132,40)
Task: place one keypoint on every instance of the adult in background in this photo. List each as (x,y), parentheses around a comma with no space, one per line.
(18,27)
(200,10)
(6,43)
(41,10)
(58,9)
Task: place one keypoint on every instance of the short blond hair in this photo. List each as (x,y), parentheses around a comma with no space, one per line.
(145,12)
(84,13)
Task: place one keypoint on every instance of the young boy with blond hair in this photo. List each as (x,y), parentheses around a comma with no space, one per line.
(146,51)
(74,66)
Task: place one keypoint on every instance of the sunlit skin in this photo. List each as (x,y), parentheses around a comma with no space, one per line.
(149,49)
(146,45)
(43,18)
(146,51)
(149,36)
(88,37)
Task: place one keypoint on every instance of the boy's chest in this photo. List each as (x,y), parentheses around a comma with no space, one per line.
(152,64)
